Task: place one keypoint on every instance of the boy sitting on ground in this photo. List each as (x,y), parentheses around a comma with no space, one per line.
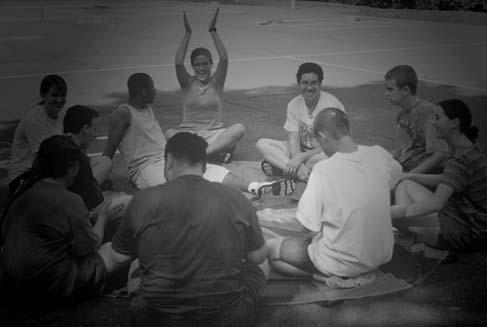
(346,204)
(419,149)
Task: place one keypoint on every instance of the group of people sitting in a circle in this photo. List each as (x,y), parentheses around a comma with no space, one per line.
(201,252)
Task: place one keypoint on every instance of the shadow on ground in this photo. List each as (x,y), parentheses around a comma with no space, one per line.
(455,294)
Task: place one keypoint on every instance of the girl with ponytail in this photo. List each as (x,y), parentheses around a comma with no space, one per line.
(456,212)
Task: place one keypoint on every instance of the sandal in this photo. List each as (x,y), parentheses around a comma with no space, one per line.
(270,170)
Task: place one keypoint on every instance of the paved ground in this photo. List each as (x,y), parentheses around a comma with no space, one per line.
(96,50)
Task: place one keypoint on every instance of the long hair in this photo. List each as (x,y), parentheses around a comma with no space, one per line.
(56,155)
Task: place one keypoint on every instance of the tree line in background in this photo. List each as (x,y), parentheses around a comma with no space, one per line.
(469,5)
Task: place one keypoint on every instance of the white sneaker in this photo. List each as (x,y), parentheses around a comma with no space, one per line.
(261,188)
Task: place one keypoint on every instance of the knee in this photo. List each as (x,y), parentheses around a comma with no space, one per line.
(238,130)
(170,133)
(403,186)
(262,145)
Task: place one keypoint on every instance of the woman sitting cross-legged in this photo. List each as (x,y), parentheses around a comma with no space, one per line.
(50,246)
(454,215)
(203,96)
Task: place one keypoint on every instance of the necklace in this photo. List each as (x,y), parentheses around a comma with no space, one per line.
(202,90)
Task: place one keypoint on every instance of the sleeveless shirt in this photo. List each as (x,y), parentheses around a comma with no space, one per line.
(202,108)
(143,141)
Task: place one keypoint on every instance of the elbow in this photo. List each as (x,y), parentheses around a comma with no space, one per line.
(258,256)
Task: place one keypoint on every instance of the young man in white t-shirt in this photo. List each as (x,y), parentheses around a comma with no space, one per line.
(346,204)
(295,156)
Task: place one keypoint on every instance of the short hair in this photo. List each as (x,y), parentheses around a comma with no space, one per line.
(76,117)
(455,108)
(200,52)
(56,155)
(404,75)
(309,67)
(48,81)
(332,120)
(188,147)
(137,82)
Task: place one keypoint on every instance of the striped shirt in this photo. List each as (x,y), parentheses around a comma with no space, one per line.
(466,173)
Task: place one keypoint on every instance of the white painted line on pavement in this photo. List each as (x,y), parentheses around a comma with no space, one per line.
(289,57)
(21,37)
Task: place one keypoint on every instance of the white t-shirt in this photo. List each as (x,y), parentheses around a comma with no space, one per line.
(33,128)
(299,119)
(347,201)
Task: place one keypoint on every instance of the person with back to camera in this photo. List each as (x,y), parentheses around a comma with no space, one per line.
(199,245)
(454,215)
(346,204)
(203,96)
(50,246)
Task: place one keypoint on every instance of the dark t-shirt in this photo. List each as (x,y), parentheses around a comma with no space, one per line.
(465,214)
(86,185)
(46,229)
(190,236)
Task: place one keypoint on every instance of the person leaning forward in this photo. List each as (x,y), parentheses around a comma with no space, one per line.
(198,244)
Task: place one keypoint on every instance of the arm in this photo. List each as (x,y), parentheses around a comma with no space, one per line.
(432,180)
(118,124)
(181,72)
(430,163)
(433,145)
(437,202)
(295,151)
(113,259)
(310,206)
(258,256)
(221,70)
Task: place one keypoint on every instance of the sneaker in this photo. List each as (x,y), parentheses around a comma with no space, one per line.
(280,186)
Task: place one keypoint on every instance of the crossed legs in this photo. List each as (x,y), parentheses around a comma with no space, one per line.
(276,152)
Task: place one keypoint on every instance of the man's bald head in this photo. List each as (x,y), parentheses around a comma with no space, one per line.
(333,121)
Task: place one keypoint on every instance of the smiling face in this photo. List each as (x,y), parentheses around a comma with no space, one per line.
(310,86)
(202,68)
(53,101)
(443,125)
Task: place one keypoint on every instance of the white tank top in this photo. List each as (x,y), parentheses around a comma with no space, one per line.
(143,141)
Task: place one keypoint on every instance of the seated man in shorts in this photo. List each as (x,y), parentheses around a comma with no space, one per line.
(295,156)
(419,150)
(346,203)
(198,262)
(134,129)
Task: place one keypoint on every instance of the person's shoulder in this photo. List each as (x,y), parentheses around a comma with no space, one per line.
(122,112)
(374,148)
(296,100)
(331,100)
(31,116)
(425,107)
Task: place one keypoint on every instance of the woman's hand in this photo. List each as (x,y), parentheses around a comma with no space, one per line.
(187,27)
(212,26)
